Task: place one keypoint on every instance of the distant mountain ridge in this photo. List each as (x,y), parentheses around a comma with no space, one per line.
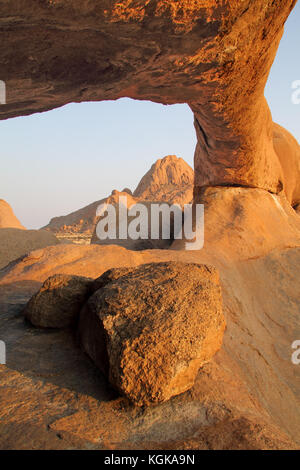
(170,179)
(166,177)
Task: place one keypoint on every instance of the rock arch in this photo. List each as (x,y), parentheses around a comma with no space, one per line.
(214,55)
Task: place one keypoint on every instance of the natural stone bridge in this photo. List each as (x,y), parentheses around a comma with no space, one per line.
(214,55)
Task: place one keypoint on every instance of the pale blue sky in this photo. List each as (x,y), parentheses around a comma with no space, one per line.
(56,162)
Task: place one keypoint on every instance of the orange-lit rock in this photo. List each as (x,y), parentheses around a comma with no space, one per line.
(150,329)
(58,302)
(213,55)
(170,179)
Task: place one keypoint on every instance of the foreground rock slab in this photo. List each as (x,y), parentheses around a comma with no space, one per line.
(53,397)
(58,302)
(151,328)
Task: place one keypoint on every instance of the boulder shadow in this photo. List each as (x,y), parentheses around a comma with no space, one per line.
(47,355)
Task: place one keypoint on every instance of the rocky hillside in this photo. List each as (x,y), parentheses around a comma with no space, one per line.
(170,179)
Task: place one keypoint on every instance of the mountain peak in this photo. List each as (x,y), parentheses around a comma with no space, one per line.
(164,174)
(170,179)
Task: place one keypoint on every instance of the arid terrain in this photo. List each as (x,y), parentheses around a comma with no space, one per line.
(114,346)
(246,396)
(169,180)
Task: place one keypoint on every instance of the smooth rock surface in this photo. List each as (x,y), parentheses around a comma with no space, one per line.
(53,397)
(241,223)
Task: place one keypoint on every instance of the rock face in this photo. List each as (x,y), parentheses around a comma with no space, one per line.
(213,55)
(249,385)
(58,303)
(242,223)
(144,210)
(116,199)
(7,217)
(151,328)
(170,179)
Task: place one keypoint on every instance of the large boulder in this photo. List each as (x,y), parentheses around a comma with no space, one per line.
(170,179)
(58,302)
(150,328)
